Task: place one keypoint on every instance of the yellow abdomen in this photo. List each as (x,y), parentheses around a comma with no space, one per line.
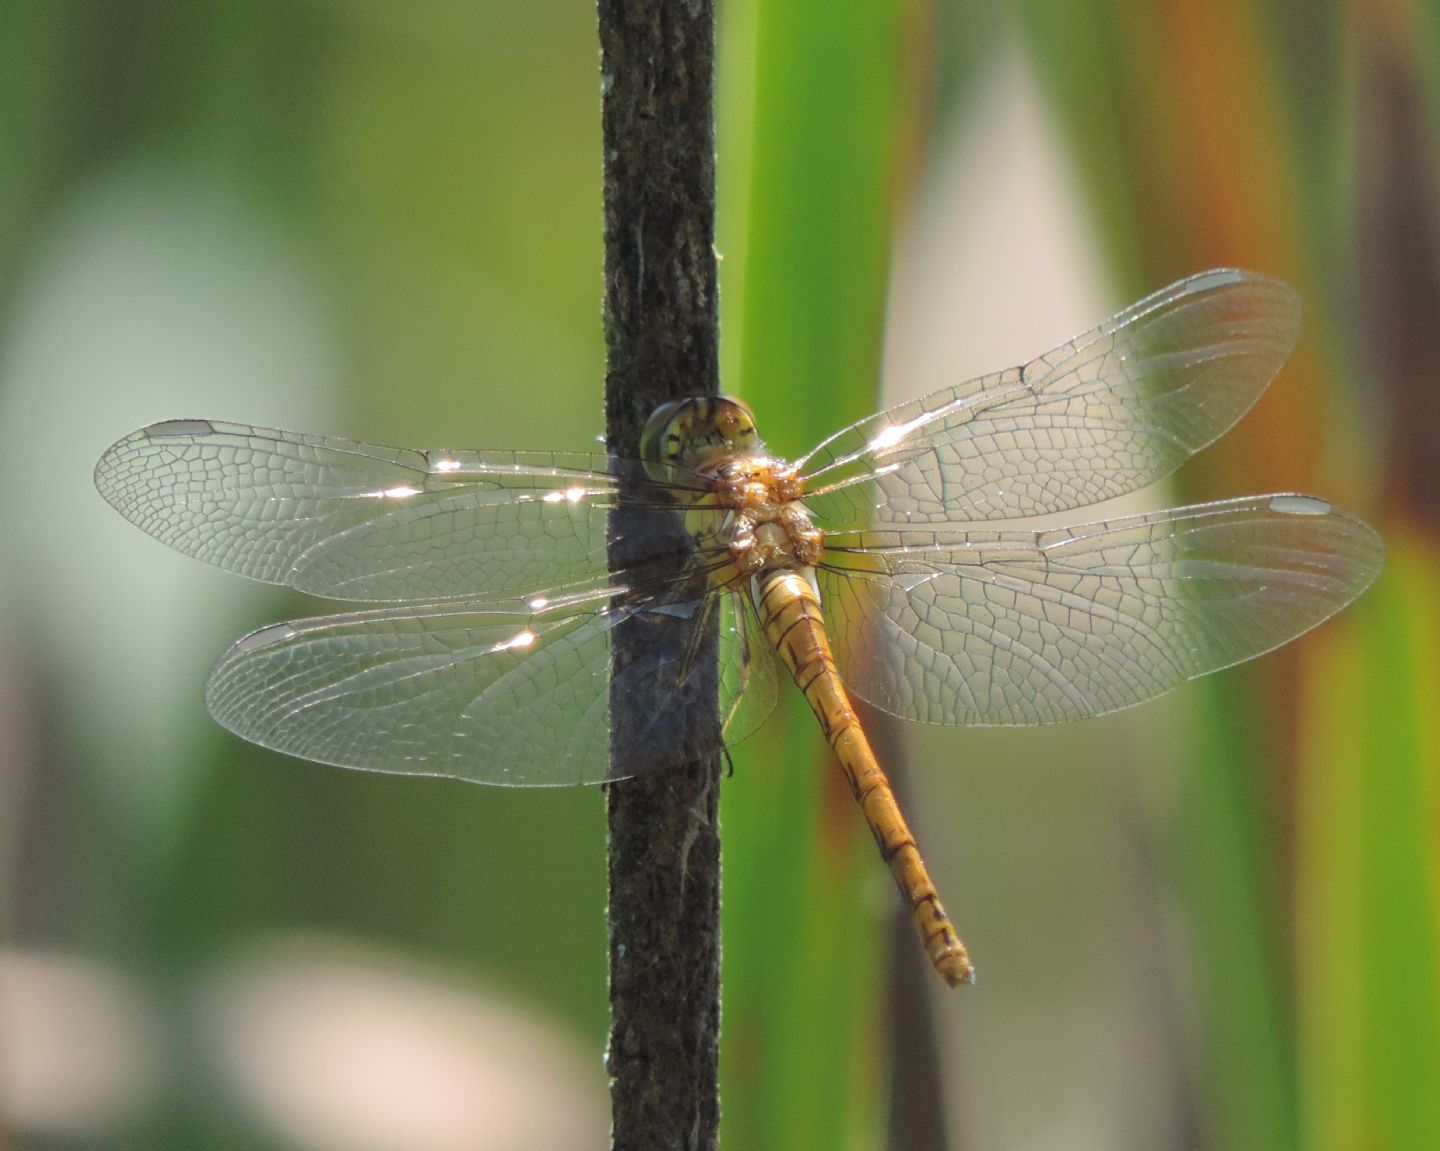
(790,614)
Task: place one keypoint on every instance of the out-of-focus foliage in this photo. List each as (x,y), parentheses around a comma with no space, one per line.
(1211,922)
(803,301)
(363,218)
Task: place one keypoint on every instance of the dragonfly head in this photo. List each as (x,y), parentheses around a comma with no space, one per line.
(697,432)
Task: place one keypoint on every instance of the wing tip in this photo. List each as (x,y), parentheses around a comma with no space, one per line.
(1280,300)
(1365,548)
(115,461)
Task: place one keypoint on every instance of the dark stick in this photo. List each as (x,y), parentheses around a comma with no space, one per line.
(661,333)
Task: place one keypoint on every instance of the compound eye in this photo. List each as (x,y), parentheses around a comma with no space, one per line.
(659,442)
(695,433)
(735,423)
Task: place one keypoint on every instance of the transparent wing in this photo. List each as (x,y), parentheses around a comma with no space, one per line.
(749,680)
(355,521)
(476,691)
(1036,627)
(1106,414)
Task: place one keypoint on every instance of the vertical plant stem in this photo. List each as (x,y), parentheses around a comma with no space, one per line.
(917,1114)
(661,332)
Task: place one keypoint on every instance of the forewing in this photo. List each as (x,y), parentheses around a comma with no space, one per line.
(468,691)
(1037,627)
(355,521)
(1105,414)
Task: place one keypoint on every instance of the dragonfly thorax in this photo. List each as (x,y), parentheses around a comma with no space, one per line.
(766,525)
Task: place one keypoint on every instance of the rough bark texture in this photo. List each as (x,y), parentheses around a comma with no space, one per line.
(661,333)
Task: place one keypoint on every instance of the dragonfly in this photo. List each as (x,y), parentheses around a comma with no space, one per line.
(886,563)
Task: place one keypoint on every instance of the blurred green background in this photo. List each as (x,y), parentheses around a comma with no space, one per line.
(1210,922)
